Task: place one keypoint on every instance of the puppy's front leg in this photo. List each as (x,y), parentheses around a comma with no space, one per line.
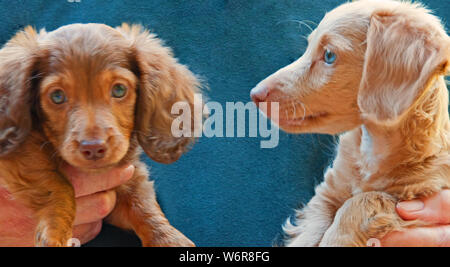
(311,223)
(365,216)
(52,199)
(138,210)
(314,220)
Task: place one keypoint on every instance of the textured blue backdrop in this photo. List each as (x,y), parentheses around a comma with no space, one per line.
(226,191)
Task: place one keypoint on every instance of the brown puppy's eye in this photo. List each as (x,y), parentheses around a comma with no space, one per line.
(119,90)
(58,96)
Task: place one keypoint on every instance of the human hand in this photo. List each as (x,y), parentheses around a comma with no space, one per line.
(435,210)
(95,199)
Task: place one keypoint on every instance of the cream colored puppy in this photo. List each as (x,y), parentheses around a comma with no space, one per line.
(375,70)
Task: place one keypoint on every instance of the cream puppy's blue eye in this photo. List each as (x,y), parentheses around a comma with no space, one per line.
(329,57)
(58,97)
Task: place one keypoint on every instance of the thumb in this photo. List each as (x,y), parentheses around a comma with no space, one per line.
(435,209)
(438,236)
(4,193)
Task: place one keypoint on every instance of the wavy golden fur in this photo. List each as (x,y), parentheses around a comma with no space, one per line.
(37,136)
(387,91)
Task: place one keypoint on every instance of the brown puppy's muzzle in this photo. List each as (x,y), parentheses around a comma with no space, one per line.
(95,140)
(93,149)
(96,151)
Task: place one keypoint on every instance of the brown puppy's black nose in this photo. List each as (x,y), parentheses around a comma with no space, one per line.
(93,149)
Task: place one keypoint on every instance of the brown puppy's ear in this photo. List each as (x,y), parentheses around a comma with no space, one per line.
(163,82)
(17,62)
(404,55)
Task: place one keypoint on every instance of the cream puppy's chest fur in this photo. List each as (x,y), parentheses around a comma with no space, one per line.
(363,165)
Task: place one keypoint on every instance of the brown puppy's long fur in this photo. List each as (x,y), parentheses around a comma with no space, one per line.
(37,136)
(386,89)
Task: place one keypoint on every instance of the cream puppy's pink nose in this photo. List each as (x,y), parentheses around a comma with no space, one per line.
(259,93)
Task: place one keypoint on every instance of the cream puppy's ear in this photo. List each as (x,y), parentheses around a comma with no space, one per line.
(404,54)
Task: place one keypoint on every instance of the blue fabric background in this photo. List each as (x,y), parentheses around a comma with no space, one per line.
(226,191)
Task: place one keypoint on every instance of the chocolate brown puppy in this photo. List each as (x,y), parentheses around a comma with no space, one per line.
(93,97)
